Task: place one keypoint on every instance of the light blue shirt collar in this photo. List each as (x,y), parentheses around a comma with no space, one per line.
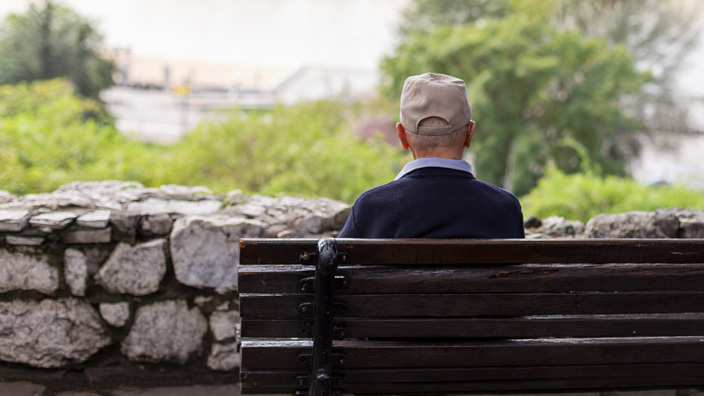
(460,165)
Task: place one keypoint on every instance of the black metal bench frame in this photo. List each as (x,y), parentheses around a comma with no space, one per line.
(326,255)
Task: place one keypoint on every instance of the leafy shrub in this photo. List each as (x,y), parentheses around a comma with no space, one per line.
(583,195)
(49,136)
(305,149)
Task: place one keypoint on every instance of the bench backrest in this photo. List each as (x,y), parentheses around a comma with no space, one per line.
(414,316)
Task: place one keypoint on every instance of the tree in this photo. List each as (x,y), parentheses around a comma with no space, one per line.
(531,86)
(659,35)
(425,15)
(53,41)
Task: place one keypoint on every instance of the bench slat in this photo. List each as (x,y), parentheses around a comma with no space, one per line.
(274,251)
(290,377)
(594,384)
(462,251)
(515,327)
(502,353)
(287,381)
(482,279)
(487,304)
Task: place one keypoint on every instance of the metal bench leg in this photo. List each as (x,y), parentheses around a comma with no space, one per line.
(321,375)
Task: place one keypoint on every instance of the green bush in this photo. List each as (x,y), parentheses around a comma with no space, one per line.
(583,195)
(49,136)
(306,149)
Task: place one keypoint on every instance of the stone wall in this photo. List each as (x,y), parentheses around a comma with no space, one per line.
(109,284)
(662,223)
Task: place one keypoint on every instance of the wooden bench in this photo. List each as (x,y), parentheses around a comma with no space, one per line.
(471,316)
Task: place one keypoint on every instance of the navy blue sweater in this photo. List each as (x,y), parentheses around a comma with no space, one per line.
(435,203)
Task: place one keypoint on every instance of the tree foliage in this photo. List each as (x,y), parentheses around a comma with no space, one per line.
(53,41)
(422,16)
(659,35)
(531,85)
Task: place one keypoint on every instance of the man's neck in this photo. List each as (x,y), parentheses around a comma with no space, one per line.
(445,155)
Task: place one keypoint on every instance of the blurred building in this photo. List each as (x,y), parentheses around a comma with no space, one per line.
(314,83)
(168,74)
(160,100)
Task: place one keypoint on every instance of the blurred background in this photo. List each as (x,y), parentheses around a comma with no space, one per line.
(582,107)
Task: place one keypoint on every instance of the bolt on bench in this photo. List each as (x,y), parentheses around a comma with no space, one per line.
(420,316)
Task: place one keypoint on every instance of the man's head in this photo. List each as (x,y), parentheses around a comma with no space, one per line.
(435,116)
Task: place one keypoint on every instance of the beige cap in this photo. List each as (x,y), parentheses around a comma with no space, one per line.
(434,95)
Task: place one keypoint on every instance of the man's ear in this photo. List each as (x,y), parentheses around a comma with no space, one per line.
(470,133)
(401,133)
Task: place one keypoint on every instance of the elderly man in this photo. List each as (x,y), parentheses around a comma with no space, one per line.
(435,195)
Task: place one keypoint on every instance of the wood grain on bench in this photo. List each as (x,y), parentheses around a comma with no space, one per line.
(479,315)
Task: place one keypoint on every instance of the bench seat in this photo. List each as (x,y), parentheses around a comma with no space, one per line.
(472,316)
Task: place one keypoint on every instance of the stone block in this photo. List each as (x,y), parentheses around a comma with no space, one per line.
(99,194)
(166,331)
(95,219)
(77,236)
(175,191)
(125,225)
(13,220)
(6,197)
(251,210)
(237,228)
(309,225)
(631,225)
(274,230)
(20,271)
(53,220)
(24,240)
(691,223)
(76,271)
(50,334)
(223,325)
(156,225)
(96,256)
(152,206)
(668,221)
(557,226)
(340,217)
(532,222)
(116,314)
(223,357)
(205,250)
(136,270)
